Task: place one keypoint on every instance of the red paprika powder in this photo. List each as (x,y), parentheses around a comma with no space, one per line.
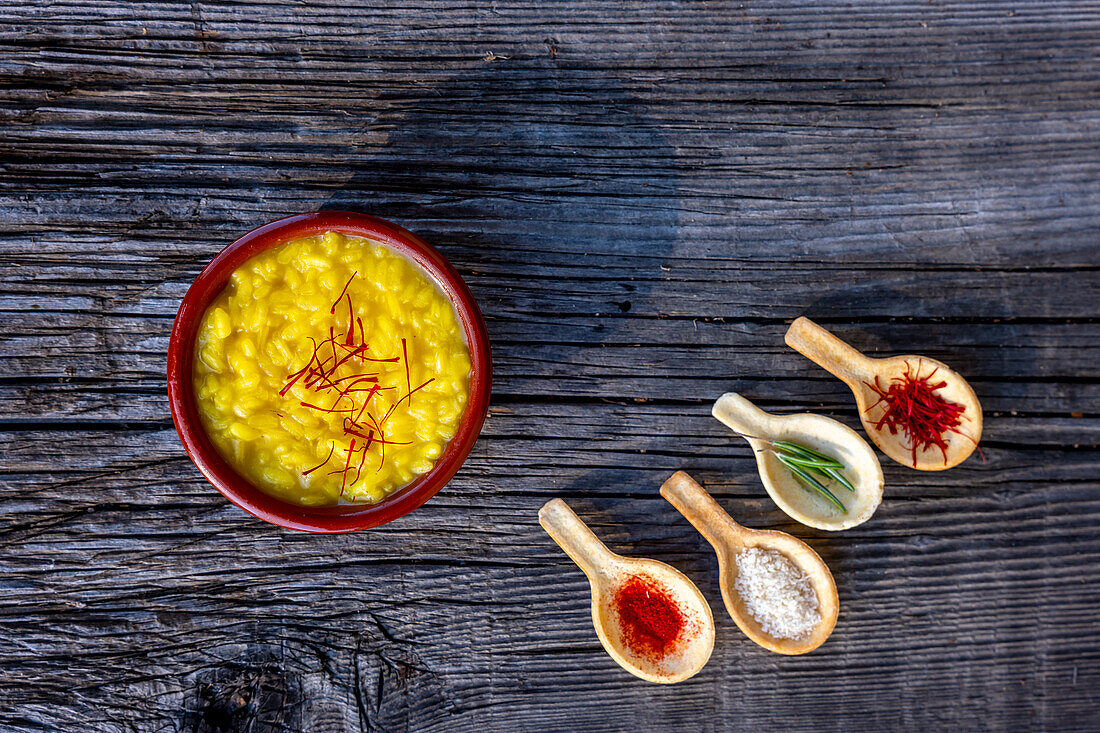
(651,621)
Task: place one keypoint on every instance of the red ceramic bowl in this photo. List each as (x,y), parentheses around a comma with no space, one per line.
(181,393)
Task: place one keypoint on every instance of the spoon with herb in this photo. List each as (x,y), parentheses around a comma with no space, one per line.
(775,587)
(648,615)
(817,470)
(917,410)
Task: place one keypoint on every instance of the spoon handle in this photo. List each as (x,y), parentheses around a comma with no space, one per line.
(700,508)
(574,536)
(827,351)
(742,416)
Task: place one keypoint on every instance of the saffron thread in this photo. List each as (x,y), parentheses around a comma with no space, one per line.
(912,406)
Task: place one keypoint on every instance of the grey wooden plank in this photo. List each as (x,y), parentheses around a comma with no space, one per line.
(774,292)
(1036,369)
(536,448)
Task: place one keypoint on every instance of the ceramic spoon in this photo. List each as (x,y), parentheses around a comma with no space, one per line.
(819,433)
(857,371)
(606,572)
(729,538)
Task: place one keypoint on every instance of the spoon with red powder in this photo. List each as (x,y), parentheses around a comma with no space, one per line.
(649,616)
(917,410)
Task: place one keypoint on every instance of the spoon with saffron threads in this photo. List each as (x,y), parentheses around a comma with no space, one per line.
(917,410)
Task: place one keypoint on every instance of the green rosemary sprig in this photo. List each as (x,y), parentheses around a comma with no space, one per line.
(809,453)
(810,481)
(805,462)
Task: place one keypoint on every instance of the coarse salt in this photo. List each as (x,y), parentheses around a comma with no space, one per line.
(776,593)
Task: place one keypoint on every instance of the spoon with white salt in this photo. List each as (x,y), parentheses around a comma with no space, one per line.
(776,589)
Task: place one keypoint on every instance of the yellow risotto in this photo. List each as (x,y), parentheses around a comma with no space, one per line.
(331,368)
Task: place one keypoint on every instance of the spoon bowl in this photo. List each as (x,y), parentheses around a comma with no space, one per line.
(819,433)
(609,572)
(859,372)
(729,539)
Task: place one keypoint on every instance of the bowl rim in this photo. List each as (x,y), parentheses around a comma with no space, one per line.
(184,406)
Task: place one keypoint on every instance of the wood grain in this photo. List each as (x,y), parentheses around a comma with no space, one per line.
(641,196)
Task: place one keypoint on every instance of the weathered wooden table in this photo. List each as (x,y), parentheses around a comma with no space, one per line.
(642,196)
